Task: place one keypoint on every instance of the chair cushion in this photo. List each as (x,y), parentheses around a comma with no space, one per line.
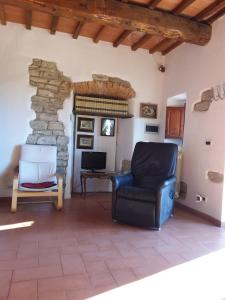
(41,185)
(38,187)
(39,153)
(138,194)
(36,172)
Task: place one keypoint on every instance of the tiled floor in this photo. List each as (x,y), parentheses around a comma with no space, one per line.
(79,252)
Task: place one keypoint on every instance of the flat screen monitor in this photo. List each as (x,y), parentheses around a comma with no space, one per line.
(92,160)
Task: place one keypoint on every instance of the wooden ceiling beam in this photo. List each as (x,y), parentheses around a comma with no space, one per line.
(55,21)
(153,3)
(144,39)
(218,15)
(159,45)
(78,29)
(122,15)
(2,14)
(96,38)
(28,19)
(172,47)
(210,10)
(121,38)
(182,6)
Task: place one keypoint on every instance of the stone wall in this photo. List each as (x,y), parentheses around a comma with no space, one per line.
(52,89)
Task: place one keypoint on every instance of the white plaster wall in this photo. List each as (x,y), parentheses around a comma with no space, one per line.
(191,69)
(78,59)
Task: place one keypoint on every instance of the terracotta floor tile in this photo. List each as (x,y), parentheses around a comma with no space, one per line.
(58,295)
(79,294)
(37,273)
(123,276)
(4,287)
(96,267)
(72,264)
(63,283)
(24,290)
(101,279)
(8,254)
(49,259)
(19,263)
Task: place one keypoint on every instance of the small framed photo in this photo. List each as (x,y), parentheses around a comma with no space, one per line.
(85,141)
(107,127)
(85,124)
(148,110)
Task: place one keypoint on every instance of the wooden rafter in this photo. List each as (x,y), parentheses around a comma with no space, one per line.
(96,38)
(55,20)
(125,16)
(182,5)
(213,18)
(144,39)
(2,14)
(28,19)
(159,45)
(210,10)
(153,3)
(121,38)
(171,47)
(78,29)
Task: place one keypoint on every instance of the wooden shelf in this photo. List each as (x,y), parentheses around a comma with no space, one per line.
(104,114)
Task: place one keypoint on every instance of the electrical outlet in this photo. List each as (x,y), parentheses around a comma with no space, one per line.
(200,198)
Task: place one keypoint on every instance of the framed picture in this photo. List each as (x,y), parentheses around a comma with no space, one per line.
(148,110)
(107,127)
(85,141)
(86,124)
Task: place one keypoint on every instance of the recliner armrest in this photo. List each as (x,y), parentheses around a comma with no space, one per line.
(121,180)
(168,181)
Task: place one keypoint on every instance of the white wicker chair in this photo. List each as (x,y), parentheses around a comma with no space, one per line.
(37,166)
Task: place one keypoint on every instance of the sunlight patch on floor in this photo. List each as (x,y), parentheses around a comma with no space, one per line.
(199,279)
(16,225)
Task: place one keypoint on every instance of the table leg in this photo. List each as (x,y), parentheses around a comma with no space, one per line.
(84,195)
(81,184)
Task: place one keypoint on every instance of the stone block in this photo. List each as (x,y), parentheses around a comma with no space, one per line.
(50,108)
(215,176)
(38,79)
(62,140)
(61,163)
(50,75)
(56,126)
(39,99)
(37,107)
(32,139)
(48,65)
(61,170)
(37,62)
(202,106)
(63,155)
(48,117)
(43,132)
(207,95)
(46,140)
(38,125)
(58,132)
(51,88)
(34,72)
(45,93)
(54,82)
(62,148)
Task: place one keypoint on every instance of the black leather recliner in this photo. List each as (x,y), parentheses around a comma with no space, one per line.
(145,197)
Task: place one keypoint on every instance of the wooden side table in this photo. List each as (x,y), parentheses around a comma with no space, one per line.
(85,175)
